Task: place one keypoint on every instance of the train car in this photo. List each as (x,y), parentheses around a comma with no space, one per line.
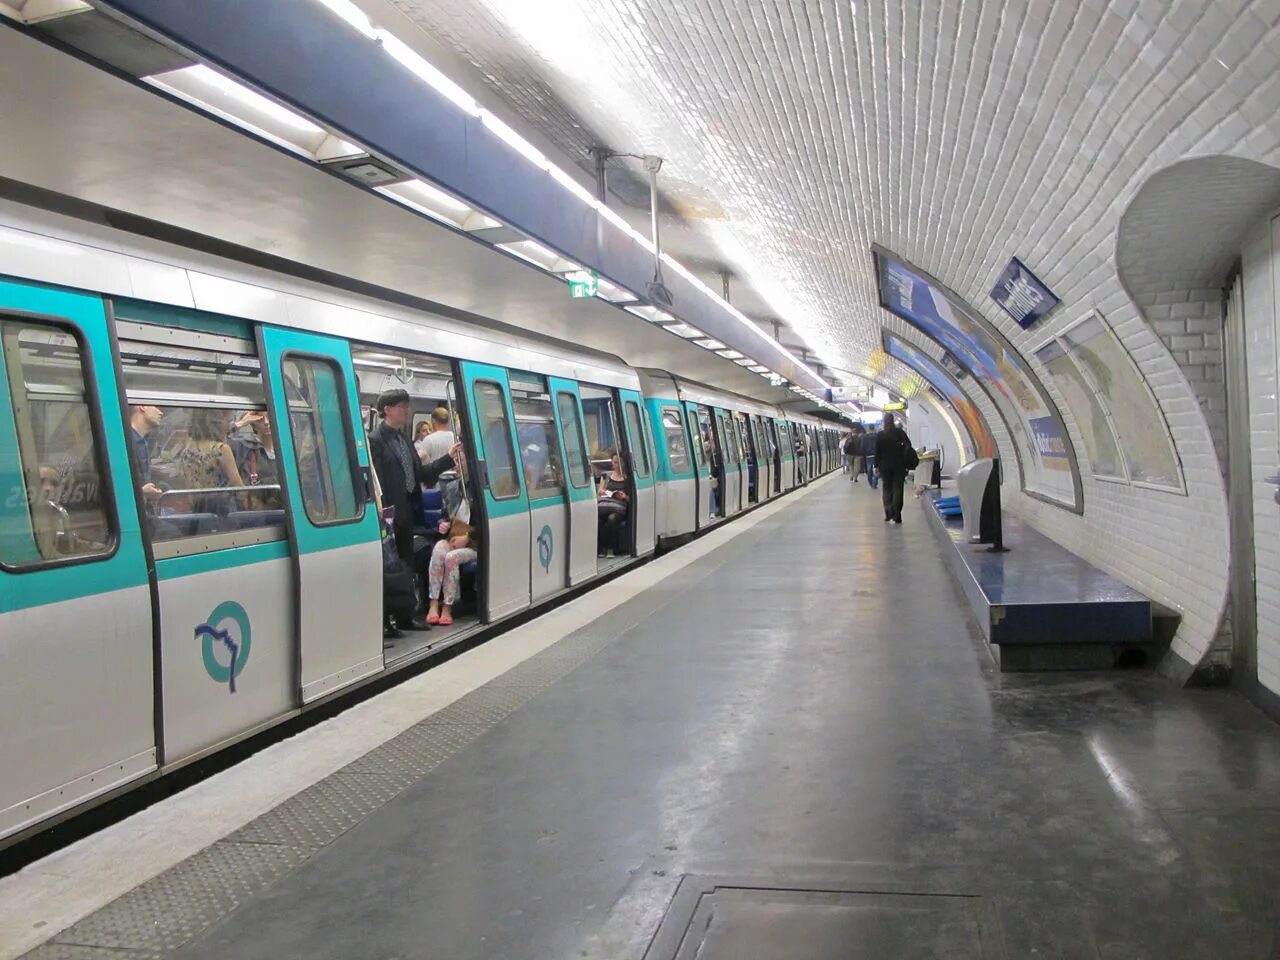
(191,546)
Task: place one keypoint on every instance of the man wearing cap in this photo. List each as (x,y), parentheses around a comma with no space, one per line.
(400,473)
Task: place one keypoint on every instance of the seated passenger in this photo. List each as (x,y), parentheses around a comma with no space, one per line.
(206,462)
(50,520)
(455,549)
(614,509)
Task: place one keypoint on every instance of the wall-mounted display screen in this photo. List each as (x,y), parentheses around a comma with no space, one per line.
(1045,455)
(946,388)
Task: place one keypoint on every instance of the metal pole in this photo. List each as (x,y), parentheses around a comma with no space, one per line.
(724,284)
(602,185)
(997,545)
(653,165)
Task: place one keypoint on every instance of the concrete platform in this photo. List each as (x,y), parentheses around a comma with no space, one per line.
(1040,606)
(794,747)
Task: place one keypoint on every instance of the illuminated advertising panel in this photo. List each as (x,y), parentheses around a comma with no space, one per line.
(1045,456)
(946,388)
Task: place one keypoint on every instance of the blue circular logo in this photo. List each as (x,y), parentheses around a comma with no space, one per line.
(546,547)
(224,642)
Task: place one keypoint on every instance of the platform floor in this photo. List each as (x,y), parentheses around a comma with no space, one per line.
(797,747)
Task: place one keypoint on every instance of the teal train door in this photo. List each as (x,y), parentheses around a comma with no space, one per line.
(583,516)
(504,551)
(333,525)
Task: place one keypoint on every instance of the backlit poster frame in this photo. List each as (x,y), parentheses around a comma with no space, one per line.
(945,387)
(1000,370)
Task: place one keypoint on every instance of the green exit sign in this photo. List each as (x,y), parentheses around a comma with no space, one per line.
(583,284)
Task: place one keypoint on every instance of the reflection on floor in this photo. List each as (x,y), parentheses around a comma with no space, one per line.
(415,641)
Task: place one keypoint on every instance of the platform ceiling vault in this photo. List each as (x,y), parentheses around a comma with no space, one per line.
(798,132)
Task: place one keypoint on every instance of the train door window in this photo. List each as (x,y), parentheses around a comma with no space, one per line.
(55,501)
(536,432)
(603,427)
(576,456)
(495,432)
(322,440)
(429,382)
(677,442)
(734,452)
(638,444)
(699,451)
(201,438)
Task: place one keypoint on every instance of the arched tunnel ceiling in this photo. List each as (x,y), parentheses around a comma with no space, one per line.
(796,134)
(1188,221)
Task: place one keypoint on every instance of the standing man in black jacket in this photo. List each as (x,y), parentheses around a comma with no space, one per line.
(400,473)
(892,445)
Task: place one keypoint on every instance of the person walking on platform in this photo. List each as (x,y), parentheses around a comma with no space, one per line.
(867,447)
(893,461)
(852,453)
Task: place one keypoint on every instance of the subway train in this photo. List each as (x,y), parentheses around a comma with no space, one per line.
(190,545)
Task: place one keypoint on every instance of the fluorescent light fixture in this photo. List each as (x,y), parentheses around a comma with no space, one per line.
(514,140)
(759,368)
(652,314)
(438,205)
(683,330)
(249,110)
(540,256)
(38,11)
(613,292)
(710,343)
(352,14)
(419,67)
(729,354)
(569,183)
(745,362)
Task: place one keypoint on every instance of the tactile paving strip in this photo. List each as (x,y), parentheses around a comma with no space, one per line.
(75,951)
(170,909)
(175,907)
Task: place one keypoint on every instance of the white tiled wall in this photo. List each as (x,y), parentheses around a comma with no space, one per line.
(1261,269)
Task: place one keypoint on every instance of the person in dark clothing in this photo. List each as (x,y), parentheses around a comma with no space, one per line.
(867,446)
(853,453)
(892,445)
(400,473)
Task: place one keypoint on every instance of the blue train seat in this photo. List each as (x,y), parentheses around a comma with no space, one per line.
(432,507)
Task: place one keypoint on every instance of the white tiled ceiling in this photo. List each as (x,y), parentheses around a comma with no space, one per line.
(797,132)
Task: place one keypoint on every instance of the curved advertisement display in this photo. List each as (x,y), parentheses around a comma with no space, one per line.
(1045,456)
(946,388)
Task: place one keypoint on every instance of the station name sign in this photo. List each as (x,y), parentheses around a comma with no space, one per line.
(1022,295)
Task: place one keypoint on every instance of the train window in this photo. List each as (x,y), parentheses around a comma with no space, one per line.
(202,442)
(734,452)
(55,504)
(699,451)
(495,431)
(574,452)
(677,441)
(639,449)
(536,431)
(322,440)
